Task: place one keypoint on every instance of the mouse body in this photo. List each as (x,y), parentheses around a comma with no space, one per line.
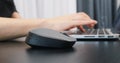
(49,39)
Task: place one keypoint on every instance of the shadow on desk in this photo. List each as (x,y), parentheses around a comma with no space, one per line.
(50,50)
(46,55)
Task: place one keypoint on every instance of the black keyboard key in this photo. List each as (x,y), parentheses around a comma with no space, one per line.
(101,31)
(94,32)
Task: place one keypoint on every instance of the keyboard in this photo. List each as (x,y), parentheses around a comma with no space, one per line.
(94,34)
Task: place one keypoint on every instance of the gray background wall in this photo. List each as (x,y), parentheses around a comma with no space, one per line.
(101,10)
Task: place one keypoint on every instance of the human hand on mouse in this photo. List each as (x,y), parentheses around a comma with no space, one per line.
(69,21)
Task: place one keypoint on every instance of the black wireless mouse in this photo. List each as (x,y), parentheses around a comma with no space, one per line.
(49,39)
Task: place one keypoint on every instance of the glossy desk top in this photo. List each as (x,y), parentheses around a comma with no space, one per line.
(82,52)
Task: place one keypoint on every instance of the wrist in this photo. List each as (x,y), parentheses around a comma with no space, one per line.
(36,23)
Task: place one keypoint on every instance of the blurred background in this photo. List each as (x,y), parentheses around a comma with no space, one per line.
(45,8)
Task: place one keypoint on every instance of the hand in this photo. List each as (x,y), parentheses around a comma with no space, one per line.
(69,21)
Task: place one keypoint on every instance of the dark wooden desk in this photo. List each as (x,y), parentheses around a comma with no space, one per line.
(82,52)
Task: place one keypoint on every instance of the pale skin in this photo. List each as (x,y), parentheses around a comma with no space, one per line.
(15,15)
(13,28)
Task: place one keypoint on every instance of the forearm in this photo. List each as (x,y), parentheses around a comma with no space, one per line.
(14,28)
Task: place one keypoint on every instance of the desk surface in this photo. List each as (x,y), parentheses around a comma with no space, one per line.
(82,52)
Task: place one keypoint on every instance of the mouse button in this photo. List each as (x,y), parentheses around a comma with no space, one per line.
(52,34)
